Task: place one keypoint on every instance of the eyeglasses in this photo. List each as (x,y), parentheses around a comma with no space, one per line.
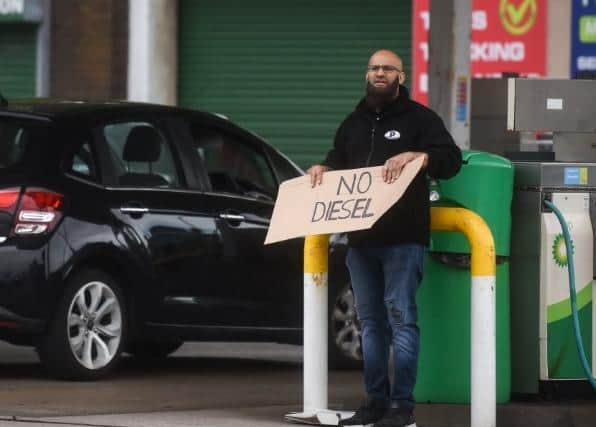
(385,68)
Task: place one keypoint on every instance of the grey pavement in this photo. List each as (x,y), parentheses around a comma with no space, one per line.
(219,385)
(514,415)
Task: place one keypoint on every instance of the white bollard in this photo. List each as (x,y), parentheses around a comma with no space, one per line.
(483,355)
(315,341)
(483,405)
(316,291)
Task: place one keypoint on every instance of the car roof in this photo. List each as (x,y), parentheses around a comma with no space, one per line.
(62,108)
(48,109)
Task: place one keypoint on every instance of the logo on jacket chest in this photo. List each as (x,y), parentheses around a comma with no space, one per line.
(392,135)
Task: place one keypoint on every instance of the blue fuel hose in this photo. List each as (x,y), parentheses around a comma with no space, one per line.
(571,271)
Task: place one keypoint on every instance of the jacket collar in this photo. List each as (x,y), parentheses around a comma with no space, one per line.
(398,105)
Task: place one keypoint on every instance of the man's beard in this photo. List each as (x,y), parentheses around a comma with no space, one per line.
(380,97)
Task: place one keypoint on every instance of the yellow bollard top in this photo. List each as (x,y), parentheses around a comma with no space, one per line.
(316,253)
(472,225)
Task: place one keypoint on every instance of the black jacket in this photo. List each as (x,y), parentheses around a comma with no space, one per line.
(367,138)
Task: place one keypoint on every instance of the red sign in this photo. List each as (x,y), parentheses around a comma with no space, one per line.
(507,36)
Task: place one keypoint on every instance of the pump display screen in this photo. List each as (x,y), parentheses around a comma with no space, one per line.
(575,176)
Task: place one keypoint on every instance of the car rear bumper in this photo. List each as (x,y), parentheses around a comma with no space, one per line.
(12,323)
(28,289)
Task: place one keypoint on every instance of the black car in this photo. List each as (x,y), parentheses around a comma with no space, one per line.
(130,227)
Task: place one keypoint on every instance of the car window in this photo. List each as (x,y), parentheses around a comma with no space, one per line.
(284,168)
(233,166)
(14,138)
(140,155)
(82,162)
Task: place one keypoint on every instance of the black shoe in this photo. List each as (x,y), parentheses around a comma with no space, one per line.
(369,413)
(397,417)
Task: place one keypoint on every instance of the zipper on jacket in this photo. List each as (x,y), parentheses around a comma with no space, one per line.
(372,139)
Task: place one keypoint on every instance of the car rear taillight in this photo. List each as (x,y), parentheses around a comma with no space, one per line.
(9,199)
(38,211)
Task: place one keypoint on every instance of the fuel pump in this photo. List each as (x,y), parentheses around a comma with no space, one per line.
(572,291)
(553,314)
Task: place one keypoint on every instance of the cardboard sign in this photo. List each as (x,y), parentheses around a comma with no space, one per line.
(347,200)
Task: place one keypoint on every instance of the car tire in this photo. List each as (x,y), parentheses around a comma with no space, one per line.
(344,341)
(87,333)
(152,350)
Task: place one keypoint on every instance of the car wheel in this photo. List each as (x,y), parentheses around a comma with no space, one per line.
(87,333)
(345,345)
(153,350)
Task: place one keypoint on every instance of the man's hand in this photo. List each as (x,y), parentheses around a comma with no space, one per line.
(316,174)
(393,166)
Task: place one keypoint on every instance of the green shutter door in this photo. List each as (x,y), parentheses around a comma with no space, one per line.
(289,71)
(17,53)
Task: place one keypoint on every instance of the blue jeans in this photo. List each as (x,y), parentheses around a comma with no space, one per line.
(385,280)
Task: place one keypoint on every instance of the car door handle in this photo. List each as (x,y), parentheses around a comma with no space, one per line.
(133,210)
(231,217)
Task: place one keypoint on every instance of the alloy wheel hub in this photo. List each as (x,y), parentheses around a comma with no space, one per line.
(94,325)
(345,325)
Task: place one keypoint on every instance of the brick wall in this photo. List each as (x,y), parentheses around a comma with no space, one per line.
(89,48)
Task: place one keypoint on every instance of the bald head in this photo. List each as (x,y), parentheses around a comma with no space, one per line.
(386,57)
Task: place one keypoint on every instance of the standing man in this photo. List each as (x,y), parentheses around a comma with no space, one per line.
(385,262)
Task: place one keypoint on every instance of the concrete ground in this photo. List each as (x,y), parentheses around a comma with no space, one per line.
(219,385)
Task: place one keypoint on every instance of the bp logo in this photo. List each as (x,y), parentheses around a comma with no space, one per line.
(560,251)
(518,16)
